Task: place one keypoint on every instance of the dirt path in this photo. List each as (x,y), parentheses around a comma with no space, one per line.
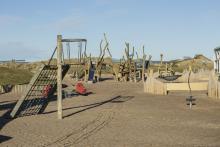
(117,114)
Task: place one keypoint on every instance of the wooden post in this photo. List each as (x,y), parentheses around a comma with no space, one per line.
(59,76)
(143,65)
(161,59)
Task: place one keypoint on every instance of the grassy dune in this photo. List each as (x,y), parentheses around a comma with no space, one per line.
(14,76)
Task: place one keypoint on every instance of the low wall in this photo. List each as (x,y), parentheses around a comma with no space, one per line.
(16,89)
(213,86)
(154,86)
(19,89)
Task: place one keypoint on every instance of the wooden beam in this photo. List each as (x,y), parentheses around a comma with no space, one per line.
(143,65)
(59,76)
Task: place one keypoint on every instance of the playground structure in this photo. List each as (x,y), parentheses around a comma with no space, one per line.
(158,86)
(201,80)
(217,60)
(195,76)
(214,80)
(47,81)
(93,69)
(166,72)
(166,80)
(130,69)
(100,59)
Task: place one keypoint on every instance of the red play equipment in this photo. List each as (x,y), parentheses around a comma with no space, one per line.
(46,90)
(80,89)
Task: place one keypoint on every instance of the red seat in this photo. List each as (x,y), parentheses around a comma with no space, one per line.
(46,90)
(80,88)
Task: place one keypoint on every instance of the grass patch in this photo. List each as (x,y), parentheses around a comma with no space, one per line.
(14,76)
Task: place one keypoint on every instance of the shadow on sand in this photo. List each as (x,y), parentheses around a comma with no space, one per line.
(4,138)
(5,117)
(9,105)
(117,99)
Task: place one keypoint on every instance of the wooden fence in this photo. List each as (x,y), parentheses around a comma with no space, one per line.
(16,89)
(213,86)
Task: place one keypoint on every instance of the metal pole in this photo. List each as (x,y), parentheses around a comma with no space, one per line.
(80,51)
(59,76)
(68,50)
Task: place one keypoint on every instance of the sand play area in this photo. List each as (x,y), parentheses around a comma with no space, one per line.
(116,115)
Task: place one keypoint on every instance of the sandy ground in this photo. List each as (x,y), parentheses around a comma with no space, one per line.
(116,115)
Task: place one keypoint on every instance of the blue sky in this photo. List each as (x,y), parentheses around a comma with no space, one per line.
(176,28)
